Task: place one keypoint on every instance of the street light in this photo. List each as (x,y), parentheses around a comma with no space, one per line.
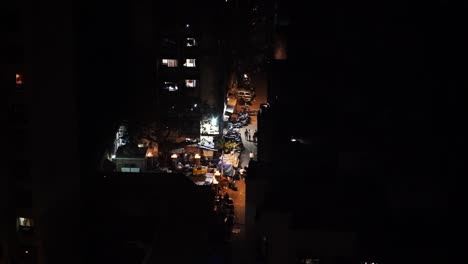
(251,155)
(150,156)
(197,159)
(215,182)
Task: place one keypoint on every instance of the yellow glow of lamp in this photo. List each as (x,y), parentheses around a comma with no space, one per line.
(174,156)
(149,154)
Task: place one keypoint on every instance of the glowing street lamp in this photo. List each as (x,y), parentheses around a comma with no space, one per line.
(197,159)
(216,184)
(150,156)
(251,155)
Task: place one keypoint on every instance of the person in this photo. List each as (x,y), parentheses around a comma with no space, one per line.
(246,134)
(255,136)
(244,174)
(241,173)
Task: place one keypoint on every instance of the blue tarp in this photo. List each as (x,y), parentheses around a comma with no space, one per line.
(228,169)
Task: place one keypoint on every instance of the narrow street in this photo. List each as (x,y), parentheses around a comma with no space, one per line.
(238,244)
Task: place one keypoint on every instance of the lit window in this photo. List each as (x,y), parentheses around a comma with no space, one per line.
(190,63)
(169,62)
(190,83)
(24,224)
(23,221)
(191,42)
(170,86)
(19,79)
(130,169)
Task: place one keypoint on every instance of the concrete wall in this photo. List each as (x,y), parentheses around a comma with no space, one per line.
(56,182)
(142,56)
(322,244)
(138,162)
(210,79)
(287,245)
(275,227)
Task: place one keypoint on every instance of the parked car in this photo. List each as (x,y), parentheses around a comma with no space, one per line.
(246,95)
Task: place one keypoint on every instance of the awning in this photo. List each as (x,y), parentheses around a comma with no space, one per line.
(177,150)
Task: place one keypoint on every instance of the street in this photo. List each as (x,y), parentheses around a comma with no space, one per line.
(238,245)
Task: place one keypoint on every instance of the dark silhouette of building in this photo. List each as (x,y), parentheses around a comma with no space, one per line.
(355,119)
(166,215)
(81,67)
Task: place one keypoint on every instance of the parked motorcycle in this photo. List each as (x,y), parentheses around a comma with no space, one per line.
(232,185)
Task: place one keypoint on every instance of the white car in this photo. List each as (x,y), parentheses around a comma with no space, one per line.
(247,96)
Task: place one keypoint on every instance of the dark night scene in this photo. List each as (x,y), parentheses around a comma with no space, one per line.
(233,132)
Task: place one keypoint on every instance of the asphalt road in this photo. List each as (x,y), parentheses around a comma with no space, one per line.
(238,245)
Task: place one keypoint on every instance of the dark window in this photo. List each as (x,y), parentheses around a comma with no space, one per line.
(309,261)
(168,43)
(18,140)
(23,198)
(15,55)
(17,114)
(21,169)
(12,19)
